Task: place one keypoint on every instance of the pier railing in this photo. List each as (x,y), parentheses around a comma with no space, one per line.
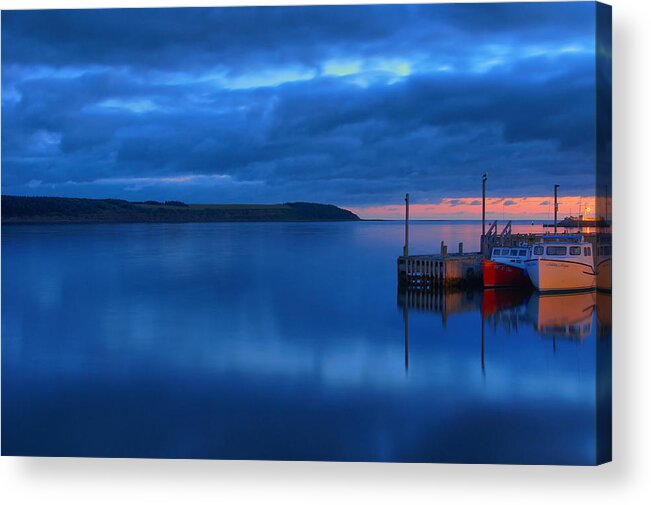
(493,238)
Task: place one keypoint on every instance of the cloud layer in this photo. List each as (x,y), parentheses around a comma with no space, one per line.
(350,105)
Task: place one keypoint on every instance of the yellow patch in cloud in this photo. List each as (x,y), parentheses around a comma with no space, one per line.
(341,68)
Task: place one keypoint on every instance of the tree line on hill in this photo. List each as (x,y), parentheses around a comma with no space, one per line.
(28,209)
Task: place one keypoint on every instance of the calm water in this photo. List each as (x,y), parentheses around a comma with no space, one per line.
(283,341)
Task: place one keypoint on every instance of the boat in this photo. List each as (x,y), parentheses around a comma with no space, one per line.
(604,268)
(506,267)
(562,263)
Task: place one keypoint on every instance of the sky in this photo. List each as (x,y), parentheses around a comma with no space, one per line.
(352,105)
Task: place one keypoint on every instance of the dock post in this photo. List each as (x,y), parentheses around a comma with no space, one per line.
(556,186)
(405,250)
(460,247)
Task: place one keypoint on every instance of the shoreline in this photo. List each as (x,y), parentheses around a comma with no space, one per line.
(12,222)
(240,221)
(61,210)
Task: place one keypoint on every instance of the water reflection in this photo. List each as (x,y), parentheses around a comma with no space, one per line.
(511,311)
(604,376)
(563,316)
(278,342)
(604,314)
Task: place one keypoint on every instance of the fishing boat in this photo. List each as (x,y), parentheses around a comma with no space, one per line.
(506,267)
(561,263)
(604,262)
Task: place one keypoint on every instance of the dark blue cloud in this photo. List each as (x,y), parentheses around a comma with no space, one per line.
(352,105)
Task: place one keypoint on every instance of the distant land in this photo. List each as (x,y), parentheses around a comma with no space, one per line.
(42,209)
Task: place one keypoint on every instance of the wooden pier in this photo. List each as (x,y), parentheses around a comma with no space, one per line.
(433,271)
(460,270)
(437,271)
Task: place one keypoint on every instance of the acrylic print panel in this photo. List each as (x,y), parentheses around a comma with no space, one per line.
(351,233)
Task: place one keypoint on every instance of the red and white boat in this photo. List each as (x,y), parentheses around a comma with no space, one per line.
(562,263)
(506,267)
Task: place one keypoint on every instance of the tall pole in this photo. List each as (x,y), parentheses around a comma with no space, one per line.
(483,210)
(406,248)
(555,206)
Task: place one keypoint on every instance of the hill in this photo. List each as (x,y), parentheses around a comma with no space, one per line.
(37,209)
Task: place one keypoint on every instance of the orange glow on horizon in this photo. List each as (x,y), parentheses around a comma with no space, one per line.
(531,207)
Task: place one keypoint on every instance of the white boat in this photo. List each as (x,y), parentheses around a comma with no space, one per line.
(562,263)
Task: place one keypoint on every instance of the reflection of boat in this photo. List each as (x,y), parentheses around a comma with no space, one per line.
(496,300)
(506,267)
(561,263)
(505,308)
(604,313)
(562,315)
